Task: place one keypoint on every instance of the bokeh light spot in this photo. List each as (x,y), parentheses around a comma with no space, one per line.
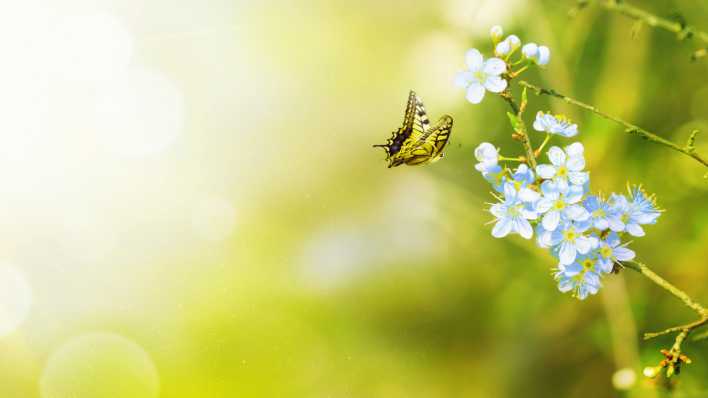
(15,299)
(139,115)
(99,365)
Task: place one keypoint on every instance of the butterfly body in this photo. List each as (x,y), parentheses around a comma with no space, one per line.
(416,141)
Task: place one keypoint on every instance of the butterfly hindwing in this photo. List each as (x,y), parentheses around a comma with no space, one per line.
(430,149)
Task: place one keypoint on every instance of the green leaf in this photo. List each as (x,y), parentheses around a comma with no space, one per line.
(515,122)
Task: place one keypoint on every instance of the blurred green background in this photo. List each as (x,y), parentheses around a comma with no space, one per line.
(191,206)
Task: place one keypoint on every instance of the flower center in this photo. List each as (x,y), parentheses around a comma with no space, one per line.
(588,263)
(625,218)
(599,213)
(570,235)
(559,204)
(480,76)
(606,251)
(515,211)
(562,171)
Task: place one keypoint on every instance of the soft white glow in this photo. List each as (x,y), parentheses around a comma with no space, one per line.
(477,16)
(434,60)
(139,115)
(99,365)
(15,299)
(624,379)
(89,47)
(214,218)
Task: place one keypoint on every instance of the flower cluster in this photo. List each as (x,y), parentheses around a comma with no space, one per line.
(583,231)
(494,74)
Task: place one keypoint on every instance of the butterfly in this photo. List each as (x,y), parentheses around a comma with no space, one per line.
(416,142)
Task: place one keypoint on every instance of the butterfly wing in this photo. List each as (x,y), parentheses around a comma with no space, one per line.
(415,125)
(430,149)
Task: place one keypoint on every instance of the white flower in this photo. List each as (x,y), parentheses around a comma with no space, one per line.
(507,46)
(555,125)
(487,155)
(538,54)
(496,32)
(566,166)
(482,76)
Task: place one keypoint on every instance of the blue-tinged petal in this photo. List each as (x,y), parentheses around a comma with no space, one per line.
(621,253)
(497,210)
(494,66)
(501,228)
(495,84)
(565,284)
(572,269)
(523,227)
(528,195)
(601,224)
(616,224)
(635,229)
(575,163)
(550,220)
(464,79)
(578,177)
(538,124)
(584,244)
(605,265)
(475,93)
(567,253)
(545,171)
(544,204)
(509,191)
(574,194)
(474,60)
(575,149)
(612,239)
(556,156)
(577,213)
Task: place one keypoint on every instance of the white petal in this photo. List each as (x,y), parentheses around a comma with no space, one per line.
(635,230)
(550,220)
(544,55)
(530,50)
(565,285)
(514,41)
(623,254)
(497,210)
(576,163)
(464,79)
(495,84)
(577,213)
(544,205)
(583,244)
(486,153)
(545,171)
(474,60)
(528,195)
(572,269)
(502,48)
(524,228)
(602,224)
(509,191)
(496,32)
(575,149)
(578,177)
(567,253)
(616,225)
(475,93)
(502,228)
(556,156)
(494,66)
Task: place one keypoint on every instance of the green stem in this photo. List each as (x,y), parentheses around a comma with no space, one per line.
(688,150)
(681,30)
(678,293)
(521,130)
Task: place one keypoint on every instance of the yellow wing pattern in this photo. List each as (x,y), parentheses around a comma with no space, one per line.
(415,142)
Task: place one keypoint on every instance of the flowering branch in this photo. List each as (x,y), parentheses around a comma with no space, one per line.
(689,149)
(521,133)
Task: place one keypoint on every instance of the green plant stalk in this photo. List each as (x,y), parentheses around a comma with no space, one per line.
(681,30)
(521,131)
(688,150)
(678,293)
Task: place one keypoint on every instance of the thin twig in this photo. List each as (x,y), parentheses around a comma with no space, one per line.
(689,149)
(682,30)
(678,293)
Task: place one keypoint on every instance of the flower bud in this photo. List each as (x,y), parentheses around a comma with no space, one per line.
(496,32)
(503,48)
(544,55)
(530,50)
